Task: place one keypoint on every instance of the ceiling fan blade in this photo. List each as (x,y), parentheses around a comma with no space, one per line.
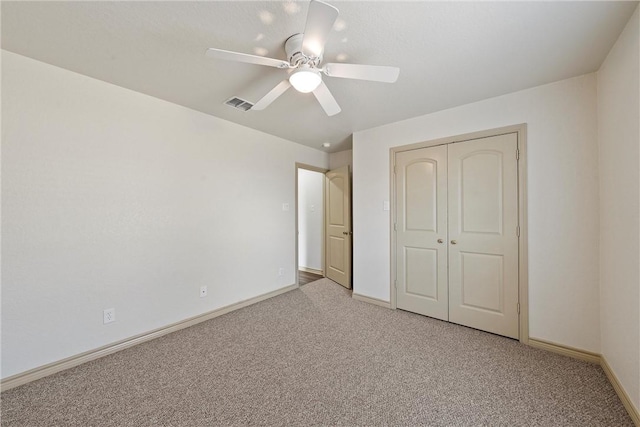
(272,95)
(243,57)
(326,100)
(320,19)
(362,72)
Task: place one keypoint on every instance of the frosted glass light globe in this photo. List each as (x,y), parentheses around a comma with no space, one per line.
(305,80)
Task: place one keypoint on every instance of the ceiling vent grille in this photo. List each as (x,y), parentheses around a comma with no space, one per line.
(239,103)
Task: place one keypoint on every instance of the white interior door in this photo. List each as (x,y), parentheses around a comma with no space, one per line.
(483,236)
(338,226)
(421,231)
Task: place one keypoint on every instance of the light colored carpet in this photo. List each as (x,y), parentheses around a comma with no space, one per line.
(315,356)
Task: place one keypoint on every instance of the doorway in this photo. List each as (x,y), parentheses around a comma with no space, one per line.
(310,184)
(459,230)
(323,225)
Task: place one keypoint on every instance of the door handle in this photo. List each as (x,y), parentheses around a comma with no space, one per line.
(347,233)
(453,242)
(440,241)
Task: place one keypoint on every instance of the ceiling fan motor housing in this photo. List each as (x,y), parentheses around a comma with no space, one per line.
(293,49)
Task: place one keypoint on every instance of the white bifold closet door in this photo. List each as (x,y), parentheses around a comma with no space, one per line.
(421,224)
(456,233)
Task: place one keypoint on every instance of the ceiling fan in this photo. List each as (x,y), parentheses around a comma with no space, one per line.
(304,57)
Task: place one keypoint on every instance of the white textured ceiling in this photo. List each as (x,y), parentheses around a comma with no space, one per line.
(449,53)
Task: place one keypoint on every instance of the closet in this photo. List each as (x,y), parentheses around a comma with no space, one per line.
(456,232)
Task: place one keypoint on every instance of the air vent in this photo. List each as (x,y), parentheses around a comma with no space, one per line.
(239,103)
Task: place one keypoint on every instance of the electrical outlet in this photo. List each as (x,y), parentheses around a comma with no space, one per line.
(281,271)
(109,315)
(203,291)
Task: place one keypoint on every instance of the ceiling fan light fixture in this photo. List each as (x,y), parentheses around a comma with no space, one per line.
(305,79)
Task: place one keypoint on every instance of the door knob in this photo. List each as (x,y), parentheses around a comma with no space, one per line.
(345,233)
(440,241)
(453,242)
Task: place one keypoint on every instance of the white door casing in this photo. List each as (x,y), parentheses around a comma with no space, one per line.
(338,226)
(421,231)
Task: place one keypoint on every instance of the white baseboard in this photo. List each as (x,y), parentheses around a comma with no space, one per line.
(564,350)
(70,362)
(622,394)
(371,300)
(311,270)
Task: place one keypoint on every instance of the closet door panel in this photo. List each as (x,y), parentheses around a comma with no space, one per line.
(483,241)
(421,231)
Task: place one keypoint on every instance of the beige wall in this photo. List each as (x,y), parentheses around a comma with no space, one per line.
(619,141)
(111,198)
(340,158)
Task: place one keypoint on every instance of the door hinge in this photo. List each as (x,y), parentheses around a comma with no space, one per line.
(394,169)
(518,231)
(395,284)
(518,308)
(395,227)
(517,154)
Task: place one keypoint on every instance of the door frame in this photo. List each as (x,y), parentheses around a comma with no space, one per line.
(297,232)
(523,242)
